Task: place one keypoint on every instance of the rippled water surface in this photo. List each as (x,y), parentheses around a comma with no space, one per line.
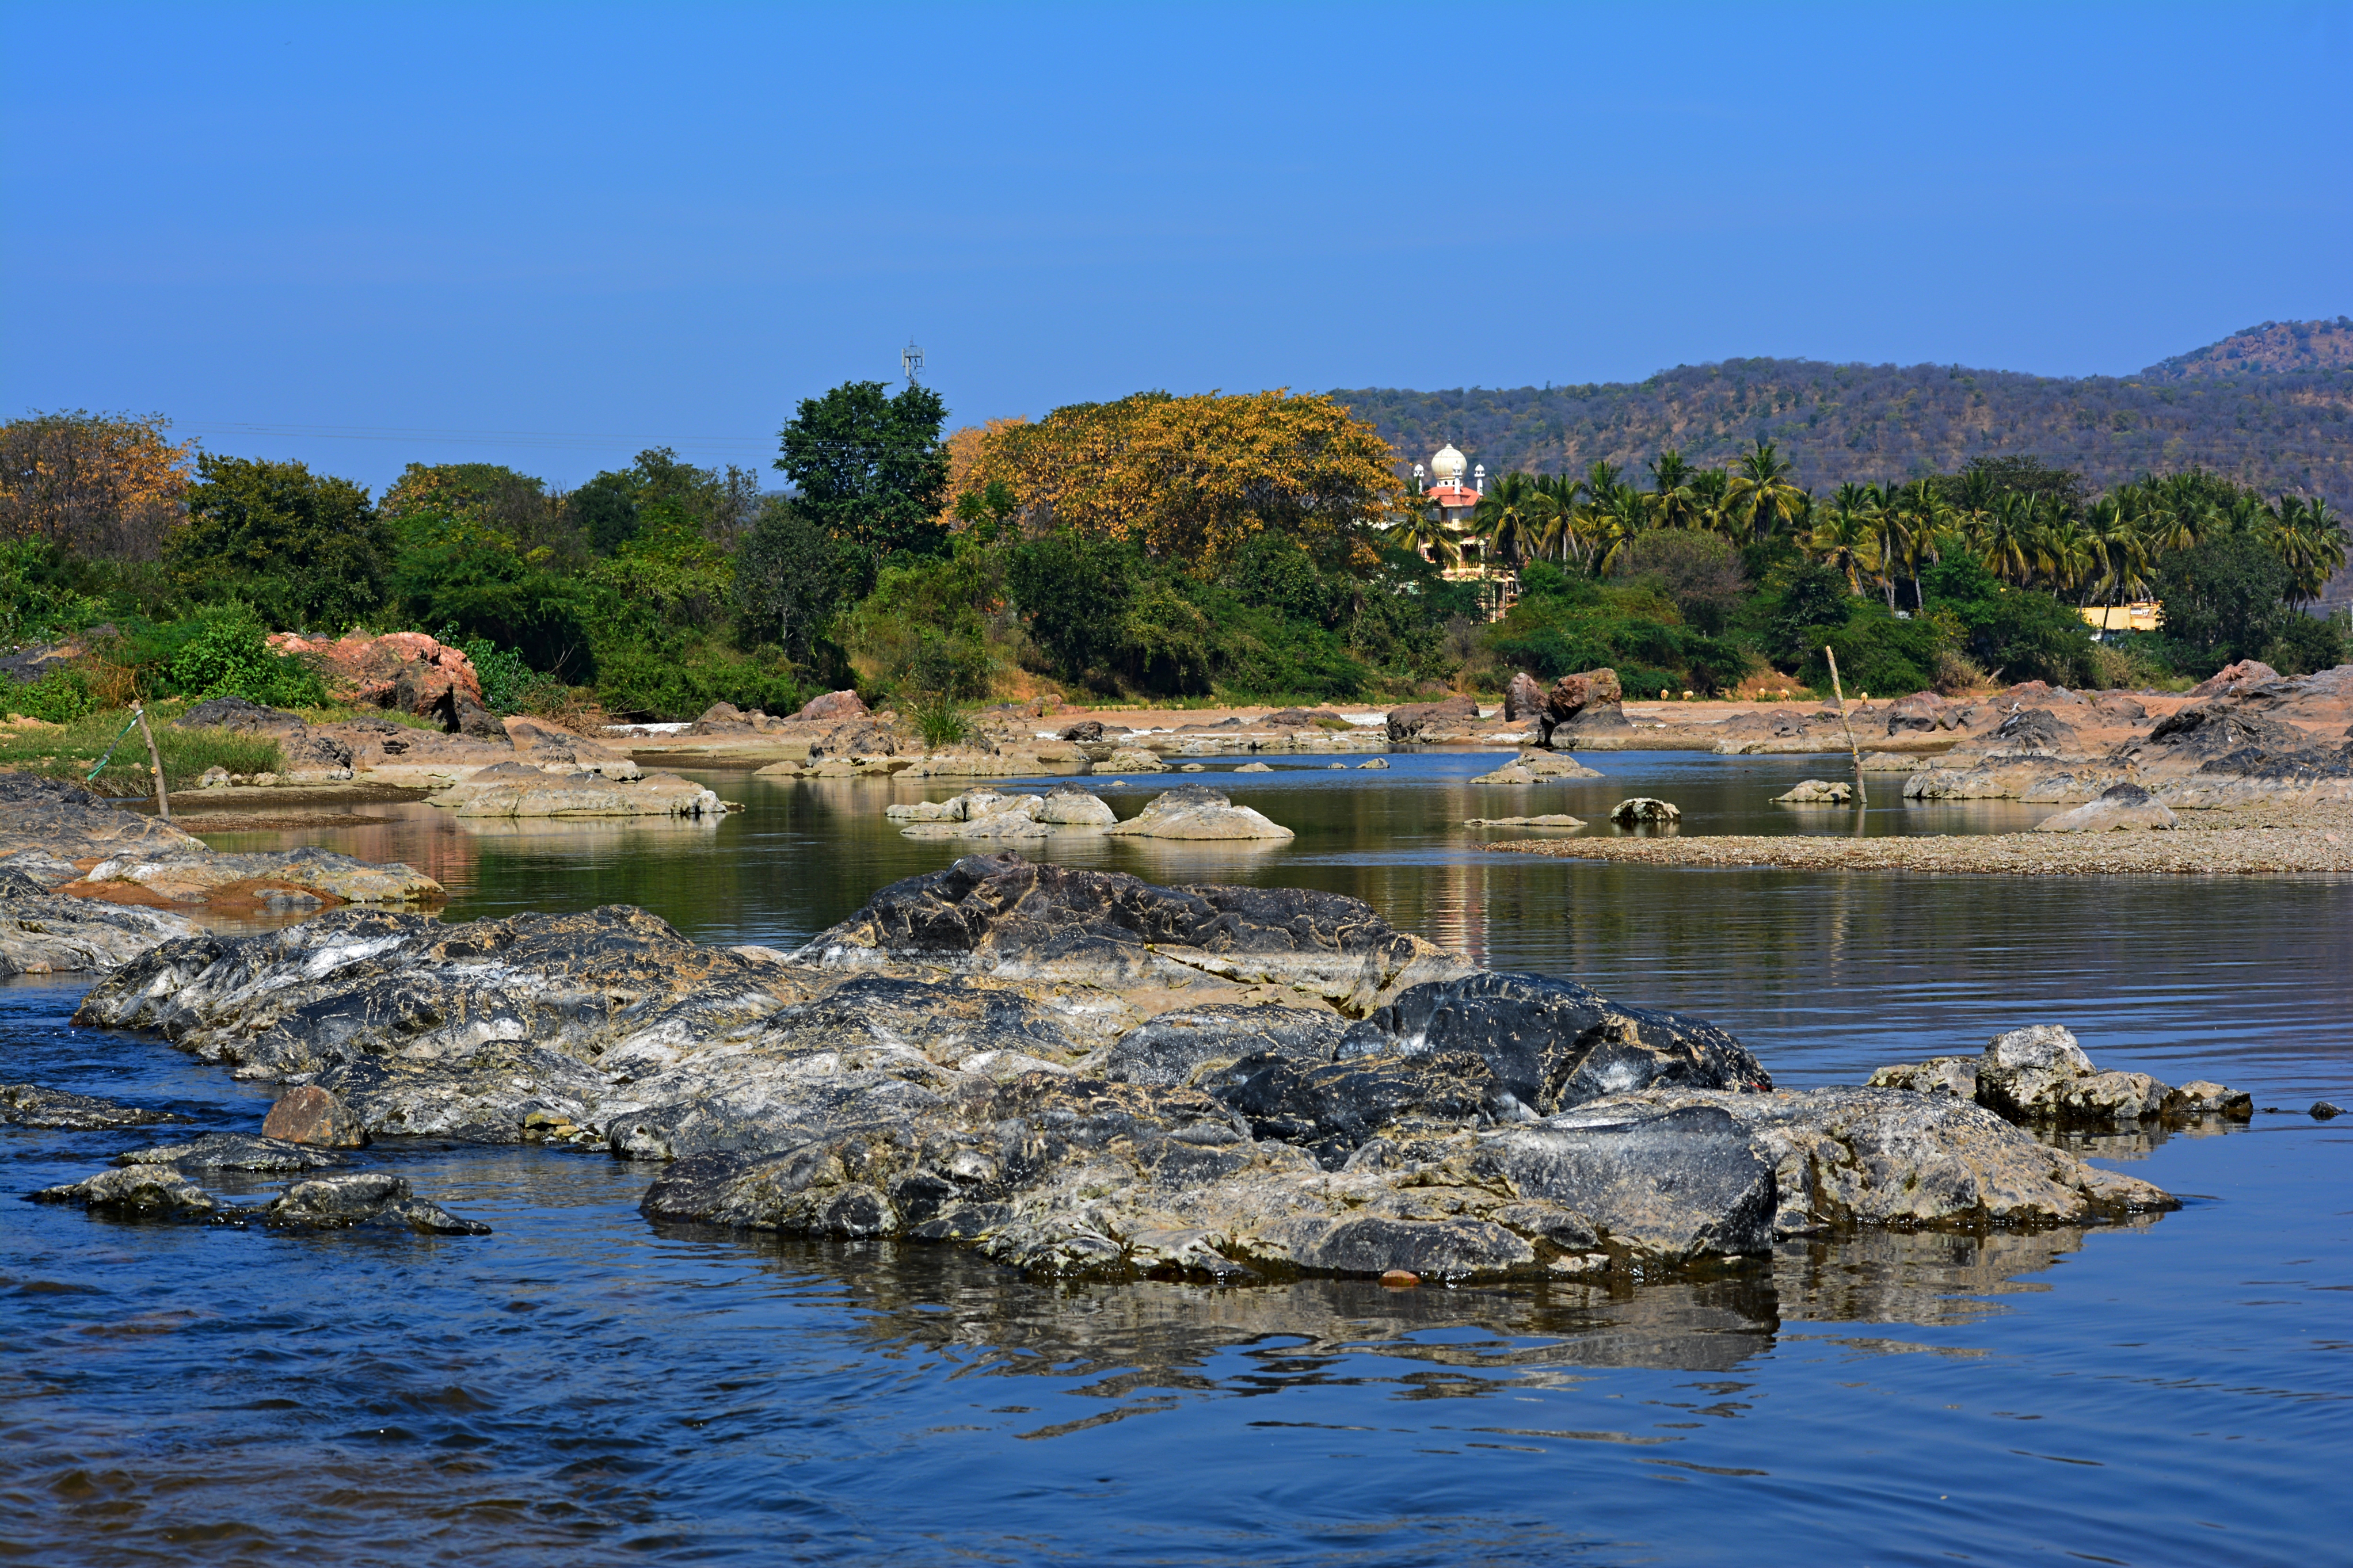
(581,1386)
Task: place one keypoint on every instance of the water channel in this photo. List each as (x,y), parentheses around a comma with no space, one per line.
(581,1386)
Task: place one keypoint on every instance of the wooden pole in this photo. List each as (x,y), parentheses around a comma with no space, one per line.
(154,762)
(1862,795)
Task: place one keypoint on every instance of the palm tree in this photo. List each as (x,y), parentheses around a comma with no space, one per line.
(1512,515)
(1673,503)
(1929,526)
(1759,493)
(1844,538)
(1707,498)
(1559,526)
(1423,530)
(1613,524)
(2006,540)
(2067,554)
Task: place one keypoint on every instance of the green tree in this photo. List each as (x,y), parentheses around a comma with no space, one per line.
(791,577)
(1075,590)
(306,550)
(870,466)
(2224,600)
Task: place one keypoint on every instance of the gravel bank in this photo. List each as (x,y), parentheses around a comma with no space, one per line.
(2239,842)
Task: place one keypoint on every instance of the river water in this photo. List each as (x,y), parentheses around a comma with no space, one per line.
(580,1386)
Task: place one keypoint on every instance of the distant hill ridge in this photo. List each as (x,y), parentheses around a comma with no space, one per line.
(2271,406)
(2270,348)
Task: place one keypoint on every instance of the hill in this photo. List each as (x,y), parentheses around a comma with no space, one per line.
(2272,348)
(2271,408)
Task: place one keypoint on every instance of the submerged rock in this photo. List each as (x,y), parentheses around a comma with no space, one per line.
(1549,819)
(231,1152)
(138,1191)
(29,1105)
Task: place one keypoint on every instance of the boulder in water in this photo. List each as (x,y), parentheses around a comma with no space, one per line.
(2120,808)
(1642,809)
(1197,812)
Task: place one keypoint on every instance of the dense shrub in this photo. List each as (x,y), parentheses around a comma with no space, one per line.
(2015,633)
(60,696)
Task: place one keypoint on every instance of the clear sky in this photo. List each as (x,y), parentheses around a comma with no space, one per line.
(605,226)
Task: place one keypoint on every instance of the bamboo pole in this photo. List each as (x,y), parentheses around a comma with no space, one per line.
(1862,795)
(154,762)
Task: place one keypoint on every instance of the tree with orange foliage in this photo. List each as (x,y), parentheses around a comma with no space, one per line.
(1191,479)
(96,484)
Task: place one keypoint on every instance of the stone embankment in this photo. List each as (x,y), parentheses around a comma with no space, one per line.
(1079,1072)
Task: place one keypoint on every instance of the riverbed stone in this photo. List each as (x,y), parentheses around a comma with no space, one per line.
(311,1115)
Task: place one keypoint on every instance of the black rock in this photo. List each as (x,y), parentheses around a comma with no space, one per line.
(1553,1043)
(2323,1111)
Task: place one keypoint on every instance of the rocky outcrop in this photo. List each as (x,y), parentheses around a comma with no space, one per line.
(559,789)
(29,1105)
(403,670)
(1133,760)
(52,934)
(284,879)
(1580,704)
(64,821)
(2246,672)
(1411,722)
(832,706)
(1196,812)
(2120,808)
(306,754)
(2040,1075)
(1081,1073)
(1537,767)
(1524,698)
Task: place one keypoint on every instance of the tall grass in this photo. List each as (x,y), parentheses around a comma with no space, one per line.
(70,750)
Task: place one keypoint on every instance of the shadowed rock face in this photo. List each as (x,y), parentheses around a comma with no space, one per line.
(1045,1066)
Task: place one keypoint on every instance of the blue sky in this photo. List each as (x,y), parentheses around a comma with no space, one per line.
(434,227)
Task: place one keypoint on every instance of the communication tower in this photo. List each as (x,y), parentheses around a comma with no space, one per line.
(910,359)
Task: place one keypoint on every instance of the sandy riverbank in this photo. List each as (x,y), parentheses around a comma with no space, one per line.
(2233,842)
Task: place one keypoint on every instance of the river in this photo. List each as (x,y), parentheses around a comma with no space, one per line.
(580,1386)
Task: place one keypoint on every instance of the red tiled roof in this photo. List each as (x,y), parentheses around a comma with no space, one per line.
(1450,496)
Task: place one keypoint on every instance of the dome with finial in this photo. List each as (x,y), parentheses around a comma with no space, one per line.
(1447,466)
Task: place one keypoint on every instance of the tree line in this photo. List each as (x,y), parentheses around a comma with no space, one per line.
(1260,546)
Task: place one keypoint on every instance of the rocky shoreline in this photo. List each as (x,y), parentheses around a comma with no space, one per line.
(1078,1073)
